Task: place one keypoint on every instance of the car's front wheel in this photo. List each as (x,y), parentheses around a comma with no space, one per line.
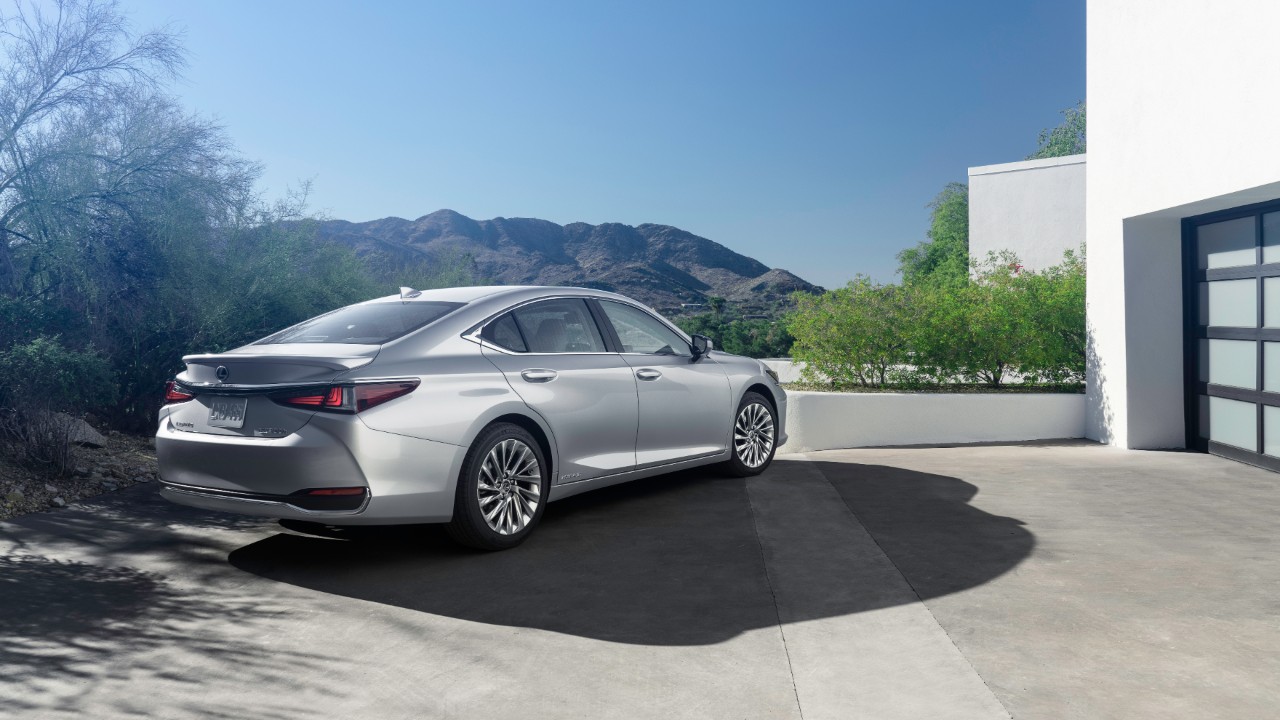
(754,436)
(502,492)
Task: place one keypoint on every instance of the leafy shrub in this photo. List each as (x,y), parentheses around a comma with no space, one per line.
(46,375)
(41,381)
(1057,295)
(978,331)
(858,335)
(1003,322)
(757,338)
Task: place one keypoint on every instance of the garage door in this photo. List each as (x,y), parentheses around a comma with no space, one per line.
(1232,313)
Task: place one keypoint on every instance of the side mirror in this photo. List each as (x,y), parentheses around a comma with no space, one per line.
(701,346)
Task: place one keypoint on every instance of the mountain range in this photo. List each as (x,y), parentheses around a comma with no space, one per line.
(660,265)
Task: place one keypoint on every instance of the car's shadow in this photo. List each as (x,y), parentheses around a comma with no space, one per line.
(672,560)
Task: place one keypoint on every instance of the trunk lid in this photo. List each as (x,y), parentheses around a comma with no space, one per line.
(255,365)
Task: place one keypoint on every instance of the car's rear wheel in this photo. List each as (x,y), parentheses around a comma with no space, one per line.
(503,489)
(754,436)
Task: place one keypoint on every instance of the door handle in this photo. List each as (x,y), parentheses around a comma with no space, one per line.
(648,374)
(538,375)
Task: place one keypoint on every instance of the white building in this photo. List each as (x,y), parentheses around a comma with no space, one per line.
(1035,207)
(1182,224)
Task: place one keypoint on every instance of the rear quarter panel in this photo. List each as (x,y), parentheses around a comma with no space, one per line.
(460,393)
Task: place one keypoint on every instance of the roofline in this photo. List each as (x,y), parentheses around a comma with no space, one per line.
(486,292)
(1028,165)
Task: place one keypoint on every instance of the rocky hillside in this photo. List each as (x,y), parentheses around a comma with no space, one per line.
(660,265)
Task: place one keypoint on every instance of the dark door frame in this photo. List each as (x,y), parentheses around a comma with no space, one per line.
(1193,332)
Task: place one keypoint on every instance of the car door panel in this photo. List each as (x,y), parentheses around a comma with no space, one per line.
(684,412)
(590,405)
(684,407)
(588,399)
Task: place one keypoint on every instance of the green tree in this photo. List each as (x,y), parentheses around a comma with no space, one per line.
(944,257)
(129,228)
(757,338)
(1057,300)
(977,331)
(859,334)
(66,69)
(1008,321)
(1065,139)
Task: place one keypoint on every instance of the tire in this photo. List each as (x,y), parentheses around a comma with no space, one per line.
(755,436)
(499,482)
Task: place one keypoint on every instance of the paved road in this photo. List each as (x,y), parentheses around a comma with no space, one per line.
(1057,581)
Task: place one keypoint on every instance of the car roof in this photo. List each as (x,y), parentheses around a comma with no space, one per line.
(478,292)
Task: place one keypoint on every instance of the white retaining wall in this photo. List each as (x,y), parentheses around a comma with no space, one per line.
(827,421)
(787,369)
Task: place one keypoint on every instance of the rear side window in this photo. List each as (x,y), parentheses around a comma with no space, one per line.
(559,326)
(504,333)
(368,324)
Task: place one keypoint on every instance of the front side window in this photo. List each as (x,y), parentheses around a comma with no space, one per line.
(365,324)
(641,332)
(504,333)
(559,326)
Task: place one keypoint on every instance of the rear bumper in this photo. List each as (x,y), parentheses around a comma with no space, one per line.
(408,480)
(302,500)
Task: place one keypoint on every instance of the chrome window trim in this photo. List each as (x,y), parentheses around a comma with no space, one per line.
(473,334)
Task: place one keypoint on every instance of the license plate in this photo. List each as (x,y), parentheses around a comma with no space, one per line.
(227,412)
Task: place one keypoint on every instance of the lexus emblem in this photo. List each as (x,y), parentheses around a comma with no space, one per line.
(222,372)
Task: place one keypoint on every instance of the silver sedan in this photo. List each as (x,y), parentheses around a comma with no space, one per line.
(468,406)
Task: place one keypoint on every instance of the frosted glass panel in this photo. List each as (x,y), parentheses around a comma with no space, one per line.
(1271,301)
(1226,244)
(1271,430)
(1234,423)
(1233,303)
(1271,237)
(1271,367)
(1233,362)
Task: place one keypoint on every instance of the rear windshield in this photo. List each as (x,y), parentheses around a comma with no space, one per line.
(371,324)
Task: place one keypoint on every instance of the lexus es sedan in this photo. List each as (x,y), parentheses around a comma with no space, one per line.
(473,407)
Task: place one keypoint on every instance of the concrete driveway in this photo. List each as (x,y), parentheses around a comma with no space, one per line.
(1060,580)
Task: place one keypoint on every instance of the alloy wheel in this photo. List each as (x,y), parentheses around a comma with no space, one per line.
(509,487)
(753,435)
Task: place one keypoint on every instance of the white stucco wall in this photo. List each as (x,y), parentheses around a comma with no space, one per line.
(1181,122)
(827,421)
(1034,208)
(787,370)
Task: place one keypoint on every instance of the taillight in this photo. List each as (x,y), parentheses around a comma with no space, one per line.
(174,394)
(330,398)
(375,394)
(324,398)
(348,398)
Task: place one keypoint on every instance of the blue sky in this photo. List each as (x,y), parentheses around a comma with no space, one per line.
(808,135)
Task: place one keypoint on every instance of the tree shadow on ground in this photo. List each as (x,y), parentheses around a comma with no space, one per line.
(70,624)
(672,560)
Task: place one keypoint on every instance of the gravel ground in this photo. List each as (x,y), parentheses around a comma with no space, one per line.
(125,460)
